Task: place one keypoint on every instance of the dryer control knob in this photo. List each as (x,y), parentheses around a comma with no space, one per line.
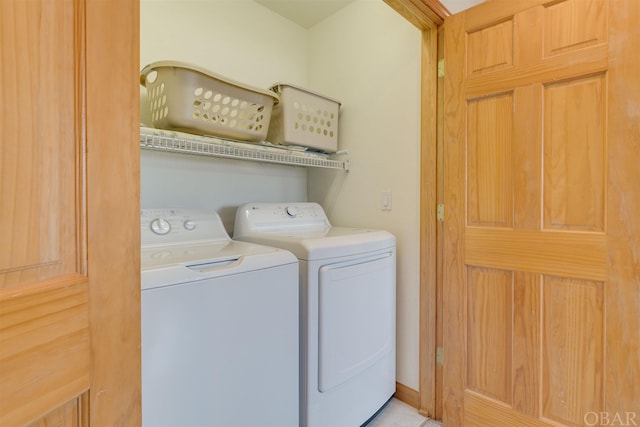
(292,211)
(160,226)
(190,225)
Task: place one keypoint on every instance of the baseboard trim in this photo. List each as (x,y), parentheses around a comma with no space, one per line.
(407,395)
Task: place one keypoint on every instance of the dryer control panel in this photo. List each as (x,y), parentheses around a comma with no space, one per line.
(274,216)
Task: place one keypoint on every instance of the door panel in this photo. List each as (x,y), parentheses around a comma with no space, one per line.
(575,154)
(540,272)
(489,301)
(574,25)
(69,267)
(39,157)
(44,294)
(489,195)
(499,37)
(572,349)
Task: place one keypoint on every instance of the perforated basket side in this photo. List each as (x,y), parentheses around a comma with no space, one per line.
(188,100)
(306,119)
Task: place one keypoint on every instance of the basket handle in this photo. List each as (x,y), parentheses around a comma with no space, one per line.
(144,74)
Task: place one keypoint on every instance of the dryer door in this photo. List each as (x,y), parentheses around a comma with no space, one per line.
(356,317)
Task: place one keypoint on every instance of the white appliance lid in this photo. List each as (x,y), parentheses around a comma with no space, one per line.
(304,230)
(333,242)
(198,253)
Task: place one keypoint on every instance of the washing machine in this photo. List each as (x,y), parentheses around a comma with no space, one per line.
(348,308)
(220,335)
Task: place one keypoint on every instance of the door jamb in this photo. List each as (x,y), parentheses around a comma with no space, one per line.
(428,16)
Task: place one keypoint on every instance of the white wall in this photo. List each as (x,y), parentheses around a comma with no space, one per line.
(368,57)
(240,39)
(184,181)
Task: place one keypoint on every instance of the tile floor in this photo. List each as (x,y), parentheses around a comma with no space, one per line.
(399,414)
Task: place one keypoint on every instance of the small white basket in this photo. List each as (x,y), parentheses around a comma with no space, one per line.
(304,118)
(192,99)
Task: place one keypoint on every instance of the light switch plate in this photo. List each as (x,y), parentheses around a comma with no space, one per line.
(385,201)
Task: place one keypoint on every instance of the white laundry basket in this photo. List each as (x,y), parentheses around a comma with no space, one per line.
(192,99)
(304,118)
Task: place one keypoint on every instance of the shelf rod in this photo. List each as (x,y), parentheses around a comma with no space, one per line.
(213,149)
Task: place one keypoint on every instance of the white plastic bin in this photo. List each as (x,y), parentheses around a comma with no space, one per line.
(304,118)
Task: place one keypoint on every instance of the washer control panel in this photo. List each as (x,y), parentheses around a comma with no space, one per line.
(166,226)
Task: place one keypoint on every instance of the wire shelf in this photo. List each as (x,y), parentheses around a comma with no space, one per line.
(215,147)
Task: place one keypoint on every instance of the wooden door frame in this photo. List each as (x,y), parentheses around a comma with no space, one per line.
(113,208)
(428,16)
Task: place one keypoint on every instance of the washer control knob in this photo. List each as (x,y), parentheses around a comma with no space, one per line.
(190,225)
(292,211)
(160,226)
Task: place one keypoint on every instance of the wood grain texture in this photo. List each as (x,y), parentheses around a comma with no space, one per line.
(44,292)
(575,154)
(581,62)
(454,273)
(495,11)
(490,48)
(480,411)
(39,186)
(439,229)
(438,9)
(69,199)
(489,334)
(573,248)
(428,223)
(580,255)
(113,210)
(71,414)
(527,157)
(573,25)
(527,296)
(44,348)
(528,50)
(407,395)
(622,293)
(424,14)
(572,349)
(489,161)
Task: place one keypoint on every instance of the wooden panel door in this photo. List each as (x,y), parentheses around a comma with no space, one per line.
(542,205)
(69,213)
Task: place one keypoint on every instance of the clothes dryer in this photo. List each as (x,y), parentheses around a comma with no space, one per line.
(348,308)
(220,336)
